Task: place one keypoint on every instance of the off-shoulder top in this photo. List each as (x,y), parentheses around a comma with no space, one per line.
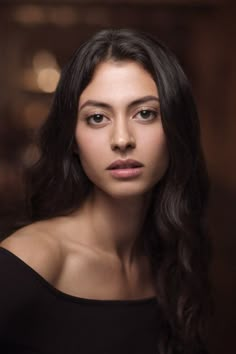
(37,318)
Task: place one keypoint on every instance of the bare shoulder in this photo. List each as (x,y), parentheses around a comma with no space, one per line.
(35,245)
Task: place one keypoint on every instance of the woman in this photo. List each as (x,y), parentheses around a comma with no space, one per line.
(115,258)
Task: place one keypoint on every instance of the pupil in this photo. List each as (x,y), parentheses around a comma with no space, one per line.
(145,114)
(97,118)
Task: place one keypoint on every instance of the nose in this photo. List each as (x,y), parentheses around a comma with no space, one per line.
(122,138)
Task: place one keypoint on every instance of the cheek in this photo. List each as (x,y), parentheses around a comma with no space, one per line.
(90,150)
(155,142)
(157,151)
(85,142)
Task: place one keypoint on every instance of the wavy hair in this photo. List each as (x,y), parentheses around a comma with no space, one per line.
(176,229)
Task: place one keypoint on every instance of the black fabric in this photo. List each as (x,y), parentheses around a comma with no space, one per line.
(37,318)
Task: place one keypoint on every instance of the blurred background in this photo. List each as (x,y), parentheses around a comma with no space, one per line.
(36,40)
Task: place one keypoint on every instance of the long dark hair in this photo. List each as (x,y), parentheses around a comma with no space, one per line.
(175,230)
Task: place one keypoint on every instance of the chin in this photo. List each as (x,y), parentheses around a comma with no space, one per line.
(127,192)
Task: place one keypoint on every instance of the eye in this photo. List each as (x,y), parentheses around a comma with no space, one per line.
(96,119)
(147,114)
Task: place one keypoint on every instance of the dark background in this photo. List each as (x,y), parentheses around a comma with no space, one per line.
(41,35)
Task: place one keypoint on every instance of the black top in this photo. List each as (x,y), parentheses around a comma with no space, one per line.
(37,318)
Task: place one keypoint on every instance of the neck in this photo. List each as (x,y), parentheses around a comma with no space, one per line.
(114,225)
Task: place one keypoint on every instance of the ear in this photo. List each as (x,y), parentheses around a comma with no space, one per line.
(75,148)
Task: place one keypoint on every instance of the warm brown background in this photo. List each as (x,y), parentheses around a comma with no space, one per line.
(202,33)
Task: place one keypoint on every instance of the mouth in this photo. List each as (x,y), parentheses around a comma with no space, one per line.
(125,169)
(124,164)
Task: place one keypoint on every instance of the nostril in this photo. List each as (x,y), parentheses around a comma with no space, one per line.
(123,145)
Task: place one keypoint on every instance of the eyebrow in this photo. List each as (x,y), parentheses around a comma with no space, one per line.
(141,100)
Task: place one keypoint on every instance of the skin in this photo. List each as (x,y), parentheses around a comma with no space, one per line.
(105,255)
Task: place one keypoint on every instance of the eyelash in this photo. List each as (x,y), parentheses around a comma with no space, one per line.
(92,116)
(154,113)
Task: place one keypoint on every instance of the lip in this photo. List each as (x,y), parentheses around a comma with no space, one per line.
(126,173)
(128,164)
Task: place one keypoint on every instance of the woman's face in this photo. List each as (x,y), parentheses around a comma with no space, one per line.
(119,120)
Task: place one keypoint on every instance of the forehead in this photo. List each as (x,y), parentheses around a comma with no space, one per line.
(114,80)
